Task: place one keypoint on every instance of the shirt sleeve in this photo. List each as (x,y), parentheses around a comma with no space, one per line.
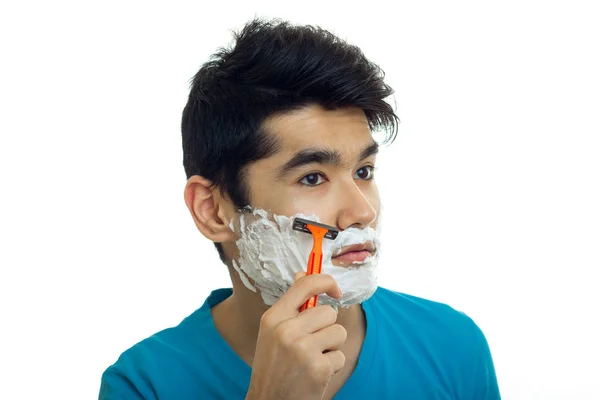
(116,386)
(485,383)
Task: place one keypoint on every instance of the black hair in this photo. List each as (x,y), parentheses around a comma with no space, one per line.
(272,67)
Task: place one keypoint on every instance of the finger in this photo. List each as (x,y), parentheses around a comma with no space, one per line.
(316,318)
(329,338)
(299,275)
(337,359)
(303,289)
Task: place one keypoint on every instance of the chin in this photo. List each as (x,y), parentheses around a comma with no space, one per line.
(349,298)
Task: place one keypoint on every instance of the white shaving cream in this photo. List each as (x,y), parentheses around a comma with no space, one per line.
(271,253)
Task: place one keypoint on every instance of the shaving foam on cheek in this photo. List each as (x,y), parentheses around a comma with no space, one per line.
(272,252)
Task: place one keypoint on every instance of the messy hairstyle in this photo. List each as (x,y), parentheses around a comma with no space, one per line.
(272,67)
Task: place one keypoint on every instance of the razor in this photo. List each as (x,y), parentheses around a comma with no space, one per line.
(315,260)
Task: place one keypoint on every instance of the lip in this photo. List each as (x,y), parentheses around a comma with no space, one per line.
(355,253)
(352,257)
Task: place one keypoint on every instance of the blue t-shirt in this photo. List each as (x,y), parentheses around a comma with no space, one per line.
(413,349)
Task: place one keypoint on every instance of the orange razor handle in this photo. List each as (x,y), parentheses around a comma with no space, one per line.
(315,261)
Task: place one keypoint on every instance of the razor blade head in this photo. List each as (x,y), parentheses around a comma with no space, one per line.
(301,224)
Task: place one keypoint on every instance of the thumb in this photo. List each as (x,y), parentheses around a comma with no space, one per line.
(299,275)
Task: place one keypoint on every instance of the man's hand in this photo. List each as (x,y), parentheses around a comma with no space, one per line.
(297,353)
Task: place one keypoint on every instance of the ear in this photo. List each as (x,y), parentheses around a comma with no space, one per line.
(209,209)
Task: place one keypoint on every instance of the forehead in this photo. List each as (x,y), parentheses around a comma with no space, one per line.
(345,129)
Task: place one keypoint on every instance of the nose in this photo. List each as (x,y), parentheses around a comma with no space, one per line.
(355,208)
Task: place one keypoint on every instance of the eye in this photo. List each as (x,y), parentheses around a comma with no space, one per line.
(312,180)
(365,173)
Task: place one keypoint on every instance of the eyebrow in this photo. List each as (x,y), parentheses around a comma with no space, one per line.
(321,156)
(371,150)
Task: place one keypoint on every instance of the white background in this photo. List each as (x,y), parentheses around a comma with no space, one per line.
(491,191)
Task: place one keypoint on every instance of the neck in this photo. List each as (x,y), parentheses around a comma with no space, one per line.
(238,319)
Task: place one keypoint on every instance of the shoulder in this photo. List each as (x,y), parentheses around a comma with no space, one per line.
(144,368)
(452,340)
(418,308)
(147,351)
(425,319)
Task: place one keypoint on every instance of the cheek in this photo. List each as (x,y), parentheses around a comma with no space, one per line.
(298,203)
(263,193)
(278,200)
(291,203)
(372,195)
(370,191)
(325,204)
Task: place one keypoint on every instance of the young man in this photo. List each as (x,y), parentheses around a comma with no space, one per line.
(276,127)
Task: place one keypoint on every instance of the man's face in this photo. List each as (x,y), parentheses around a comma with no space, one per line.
(324,167)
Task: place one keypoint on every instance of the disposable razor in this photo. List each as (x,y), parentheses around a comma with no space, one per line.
(315,260)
